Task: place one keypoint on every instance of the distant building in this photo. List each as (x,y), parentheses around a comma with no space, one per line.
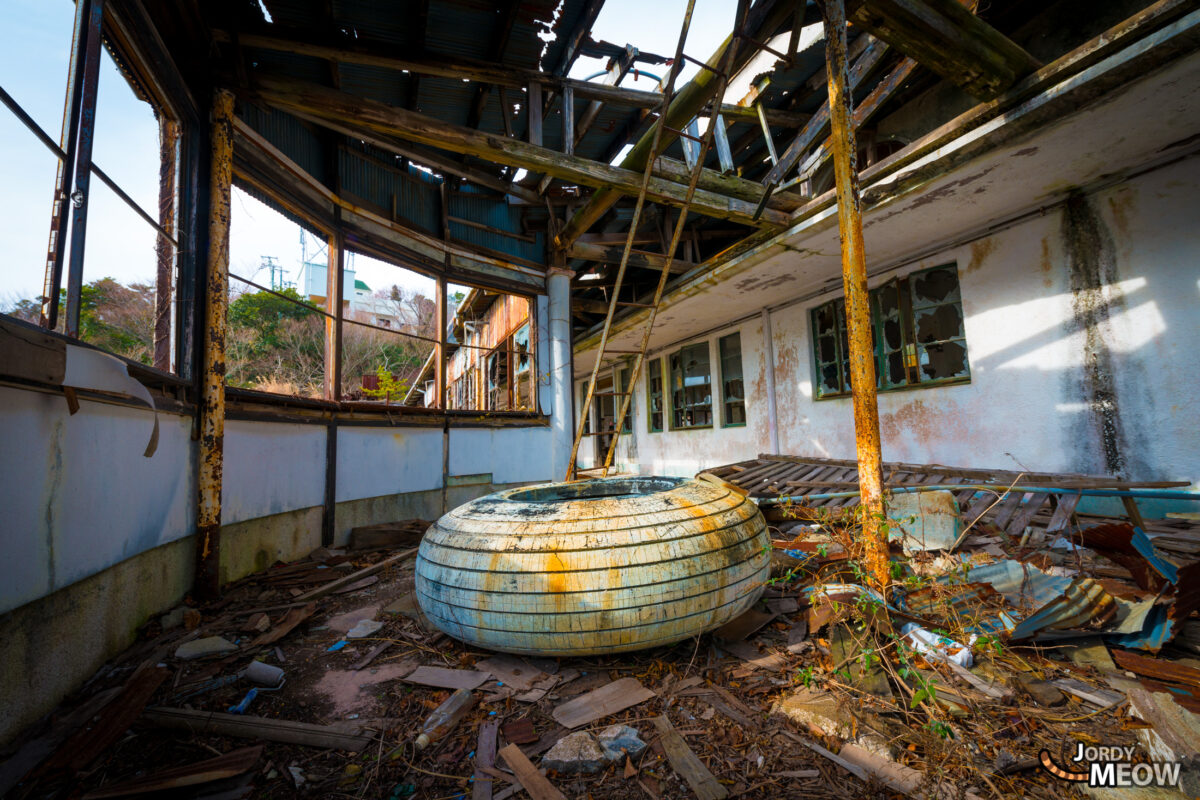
(358,300)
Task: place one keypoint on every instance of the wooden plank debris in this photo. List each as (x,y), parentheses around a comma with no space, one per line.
(115,718)
(599,703)
(485,759)
(1100,697)
(685,762)
(447,678)
(512,671)
(371,656)
(772,662)
(519,731)
(743,625)
(332,586)
(229,765)
(534,782)
(272,730)
(896,776)
(286,625)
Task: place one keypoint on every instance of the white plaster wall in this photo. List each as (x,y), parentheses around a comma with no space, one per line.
(373,462)
(271,468)
(76,493)
(1026,404)
(685,452)
(512,455)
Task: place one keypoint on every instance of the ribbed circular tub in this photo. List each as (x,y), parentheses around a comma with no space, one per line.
(596,566)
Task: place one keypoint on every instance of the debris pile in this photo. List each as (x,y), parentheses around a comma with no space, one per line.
(994,657)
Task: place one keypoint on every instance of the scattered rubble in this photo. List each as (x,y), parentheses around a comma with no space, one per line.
(984,656)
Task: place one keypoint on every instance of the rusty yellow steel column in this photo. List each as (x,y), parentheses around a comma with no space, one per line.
(858,309)
(212,388)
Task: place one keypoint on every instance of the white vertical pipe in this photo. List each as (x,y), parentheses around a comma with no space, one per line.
(769,357)
(562,428)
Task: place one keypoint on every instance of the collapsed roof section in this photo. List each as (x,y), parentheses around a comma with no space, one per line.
(443,135)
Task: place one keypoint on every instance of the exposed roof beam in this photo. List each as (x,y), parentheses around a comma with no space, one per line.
(499,43)
(348,112)
(950,40)
(637,258)
(261,164)
(818,126)
(580,32)
(468,69)
(765,17)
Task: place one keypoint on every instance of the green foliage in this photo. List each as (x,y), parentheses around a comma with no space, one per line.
(389,387)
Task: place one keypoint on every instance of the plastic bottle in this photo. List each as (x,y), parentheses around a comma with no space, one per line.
(445,717)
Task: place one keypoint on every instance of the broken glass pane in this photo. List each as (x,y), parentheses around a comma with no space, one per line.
(938,285)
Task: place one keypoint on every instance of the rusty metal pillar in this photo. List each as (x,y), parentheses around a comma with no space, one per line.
(164,285)
(212,387)
(858,309)
(441,319)
(335,281)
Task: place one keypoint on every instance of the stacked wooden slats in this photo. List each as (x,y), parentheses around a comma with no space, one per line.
(798,476)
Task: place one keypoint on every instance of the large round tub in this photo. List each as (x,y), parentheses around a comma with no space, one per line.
(597,566)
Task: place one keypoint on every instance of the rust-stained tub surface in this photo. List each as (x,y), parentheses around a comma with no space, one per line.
(597,566)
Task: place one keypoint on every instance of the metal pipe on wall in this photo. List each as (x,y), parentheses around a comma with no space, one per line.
(769,357)
(858,310)
(212,387)
(558,285)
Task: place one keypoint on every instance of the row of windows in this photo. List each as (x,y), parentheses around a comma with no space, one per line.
(689,387)
(917,332)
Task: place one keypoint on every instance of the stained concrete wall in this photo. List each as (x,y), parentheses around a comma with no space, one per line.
(97,538)
(1082,333)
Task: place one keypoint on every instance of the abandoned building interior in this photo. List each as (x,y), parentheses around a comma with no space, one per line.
(863,258)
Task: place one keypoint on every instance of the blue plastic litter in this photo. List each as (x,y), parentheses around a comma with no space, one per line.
(338,646)
(241,707)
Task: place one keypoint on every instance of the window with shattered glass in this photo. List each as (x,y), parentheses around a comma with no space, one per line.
(917,332)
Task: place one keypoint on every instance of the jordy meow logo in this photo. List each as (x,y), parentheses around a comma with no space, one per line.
(1112,767)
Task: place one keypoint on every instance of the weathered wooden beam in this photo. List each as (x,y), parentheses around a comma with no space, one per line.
(864,110)
(479,72)
(500,37)
(948,39)
(457,69)
(577,36)
(728,185)
(819,124)
(349,113)
(767,15)
(308,198)
(637,258)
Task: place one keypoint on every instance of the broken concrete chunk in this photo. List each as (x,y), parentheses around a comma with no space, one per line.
(576,753)
(618,740)
(924,520)
(199,648)
(363,629)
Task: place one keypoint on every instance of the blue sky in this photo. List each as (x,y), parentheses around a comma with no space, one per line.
(35,37)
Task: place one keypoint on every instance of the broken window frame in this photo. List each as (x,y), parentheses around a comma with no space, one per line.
(170,351)
(729,350)
(686,404)
(906,314)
